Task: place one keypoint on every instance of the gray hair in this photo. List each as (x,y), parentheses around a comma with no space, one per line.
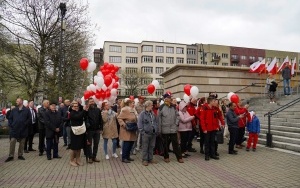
(148,103)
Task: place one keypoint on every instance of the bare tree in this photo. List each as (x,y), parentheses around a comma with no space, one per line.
(35,26)
(135,81)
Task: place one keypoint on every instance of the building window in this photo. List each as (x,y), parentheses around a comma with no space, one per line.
(234,56)
(224,64)
(204,63)
(159,49)
(131,60)
(170,60)
(144,92)
(252,58)
(159,59)
(179,50)
(115,59)
(113,48)
(147,70)
(216,63)
(147,48)
(147,59)
(130,70)
(119,92)
(160,81)
(243,65)
(224,55)
(243,57)
(260,58)
(191,61)
(170,50)
(146,81)
(179,60)
(191,51)
(130,49)
(278,60)
(128,92)
(159,92)
(234,64)
(159,70)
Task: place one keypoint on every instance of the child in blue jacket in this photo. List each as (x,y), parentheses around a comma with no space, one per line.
(253,127)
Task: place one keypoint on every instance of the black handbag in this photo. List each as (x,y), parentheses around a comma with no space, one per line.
(220,136)
(131,127)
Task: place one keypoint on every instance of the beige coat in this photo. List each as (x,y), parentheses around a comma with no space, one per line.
(127,114)
(110,129)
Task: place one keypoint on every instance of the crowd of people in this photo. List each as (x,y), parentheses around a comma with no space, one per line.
(147,126)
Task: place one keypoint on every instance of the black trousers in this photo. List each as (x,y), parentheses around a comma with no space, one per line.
(42,136)
(173,138)
(28,142)
(118,140)
(210,143)
(93,137)
(240,136)
(191,138)
(233,134)
(184,137)
(202,139)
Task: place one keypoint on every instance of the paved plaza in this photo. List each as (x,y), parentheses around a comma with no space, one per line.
(263,168)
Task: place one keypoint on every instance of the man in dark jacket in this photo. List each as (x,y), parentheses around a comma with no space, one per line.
(31,128)
(286,75)
(233,125)
(94,124)
(53,122)
(64,112)
(41,122)
(19,119)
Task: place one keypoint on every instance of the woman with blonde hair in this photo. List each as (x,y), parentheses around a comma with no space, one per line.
(77,141)
(110,130)
(128,126)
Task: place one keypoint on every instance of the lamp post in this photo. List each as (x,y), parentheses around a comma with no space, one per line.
(63,10)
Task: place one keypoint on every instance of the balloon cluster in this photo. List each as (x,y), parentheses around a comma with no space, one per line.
(85,65)
(232,97)
(190,91)
(105,84)
(153,86)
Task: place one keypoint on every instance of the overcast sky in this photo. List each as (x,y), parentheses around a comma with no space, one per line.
(266,24)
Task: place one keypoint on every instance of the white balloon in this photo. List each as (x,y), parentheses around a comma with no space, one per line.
(114,92)
(229,95)
(194,91)
(93,88)
(99,74)
(156,84)
(100,81)
(136,101)
(88,88)
(25,103)
(98,87)
(95,99)
(91,67)
(82,101)
(104,88)
(186,98)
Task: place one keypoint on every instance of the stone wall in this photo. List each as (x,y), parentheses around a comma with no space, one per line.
(222,79)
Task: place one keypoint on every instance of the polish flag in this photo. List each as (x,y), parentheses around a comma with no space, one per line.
(258,66)
(254,66)
(272,66)
(286,61)
(294,63)
(264,69)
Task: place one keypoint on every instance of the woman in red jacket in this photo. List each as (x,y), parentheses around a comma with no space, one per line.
(240,110)
(197,115)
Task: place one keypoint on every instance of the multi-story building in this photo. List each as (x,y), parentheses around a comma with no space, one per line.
(153,58)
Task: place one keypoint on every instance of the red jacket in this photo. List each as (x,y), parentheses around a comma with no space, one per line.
(210,118)
(242,121)
(192,111)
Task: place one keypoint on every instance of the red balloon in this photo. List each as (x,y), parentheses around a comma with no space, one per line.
(187,89)
(116,68)
(84,63)
(102,68)
(86,95)
(151,88)
(235,98)
(105,64)
(131,97)
(116,78)
(102,94)
(4,111)
(115,85)
(98,95)
(111,67)
(107,93)
(107,80)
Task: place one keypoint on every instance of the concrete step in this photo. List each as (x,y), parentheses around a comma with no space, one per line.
(262,112)
(281,145)
(282,139)
(282,133)
(282,128)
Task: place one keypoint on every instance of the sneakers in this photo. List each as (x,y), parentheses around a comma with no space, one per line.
(9,159)
(115,155)
(106,157)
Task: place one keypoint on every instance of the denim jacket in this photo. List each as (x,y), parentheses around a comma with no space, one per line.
(147,122)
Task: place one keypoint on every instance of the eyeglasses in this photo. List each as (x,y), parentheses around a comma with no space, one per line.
(75,106)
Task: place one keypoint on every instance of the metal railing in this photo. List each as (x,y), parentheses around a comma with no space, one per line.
(271,113)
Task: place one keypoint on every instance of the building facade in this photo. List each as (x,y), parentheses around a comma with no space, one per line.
(153,58)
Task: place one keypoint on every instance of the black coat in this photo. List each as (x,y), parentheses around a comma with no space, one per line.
(41,117)
(64,114)
(19,120)
(94,119)
(53,120)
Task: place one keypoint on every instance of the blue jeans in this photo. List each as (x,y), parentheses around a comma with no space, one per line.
(127,145)
(114,145)
(286,85)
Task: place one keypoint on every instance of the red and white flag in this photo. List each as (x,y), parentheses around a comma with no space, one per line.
(258,66)
(286,61)
(272,66)
(254,66)
(294,63)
